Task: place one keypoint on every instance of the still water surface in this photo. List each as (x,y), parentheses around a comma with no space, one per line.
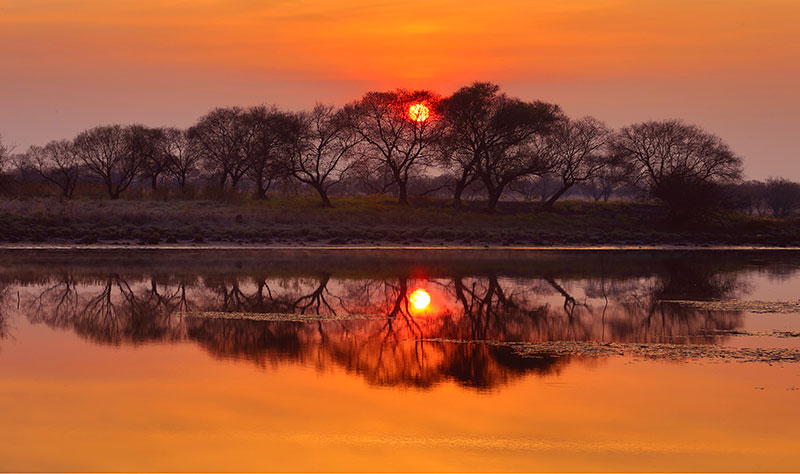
(330,361)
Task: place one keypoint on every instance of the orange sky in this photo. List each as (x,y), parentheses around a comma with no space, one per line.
(728,65)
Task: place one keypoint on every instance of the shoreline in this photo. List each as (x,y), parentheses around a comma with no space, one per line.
(392,247)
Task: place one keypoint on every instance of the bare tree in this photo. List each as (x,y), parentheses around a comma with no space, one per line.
(401,139)
(367,177)
(678,163)
(535,187)
(148,144)
(483,131)
(106,152)
(57,162)
(577,152)
(323,151)
(512,144)
(610,178)
(782,196)
(265,144)
(183,157)
(220,136)
(467,122)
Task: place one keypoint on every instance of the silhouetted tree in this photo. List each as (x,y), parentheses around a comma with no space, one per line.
(106,152)
(148,145)
(610,178)
(57,162)
(467,131)
(364,176)
(220,136)
(397,142)
(512,150)
(183,157)
(535,187)
(576,150)
(485,138)
(267,138)
(323,150)
(679,164)
(782,196)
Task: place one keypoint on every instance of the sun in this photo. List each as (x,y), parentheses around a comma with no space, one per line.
(420,299)
(419,113)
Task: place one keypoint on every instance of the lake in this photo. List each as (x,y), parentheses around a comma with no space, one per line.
(424,360)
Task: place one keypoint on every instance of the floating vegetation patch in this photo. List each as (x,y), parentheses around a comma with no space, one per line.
(737,305)
(660,351)
(741,332)
(278,317)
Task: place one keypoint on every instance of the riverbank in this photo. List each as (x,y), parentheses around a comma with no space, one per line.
(374,221)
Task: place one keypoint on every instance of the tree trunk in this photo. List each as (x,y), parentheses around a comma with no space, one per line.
(154,182)
(459,190)
(552,200)
(261,192)
(110,187)
(326,202)
(607,192)
(402,194)
(494,198)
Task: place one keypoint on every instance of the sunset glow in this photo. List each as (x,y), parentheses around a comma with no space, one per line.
(727,66)
(420,299)
(419,236)
(418,112)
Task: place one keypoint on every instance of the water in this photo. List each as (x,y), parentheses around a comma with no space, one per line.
(319,360)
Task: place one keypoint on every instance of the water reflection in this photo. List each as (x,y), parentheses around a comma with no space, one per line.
(380,319)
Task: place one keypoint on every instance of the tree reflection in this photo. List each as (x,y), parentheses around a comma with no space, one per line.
(369,327)
(5,324)
(111,311)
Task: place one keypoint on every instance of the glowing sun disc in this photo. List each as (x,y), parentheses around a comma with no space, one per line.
(420,299)
(419,112)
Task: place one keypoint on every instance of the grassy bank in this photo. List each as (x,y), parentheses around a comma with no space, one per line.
(374,220)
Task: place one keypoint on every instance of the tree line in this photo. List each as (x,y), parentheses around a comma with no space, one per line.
(476,141)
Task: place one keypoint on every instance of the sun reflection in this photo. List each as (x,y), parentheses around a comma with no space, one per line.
(418,112)
(420,299)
